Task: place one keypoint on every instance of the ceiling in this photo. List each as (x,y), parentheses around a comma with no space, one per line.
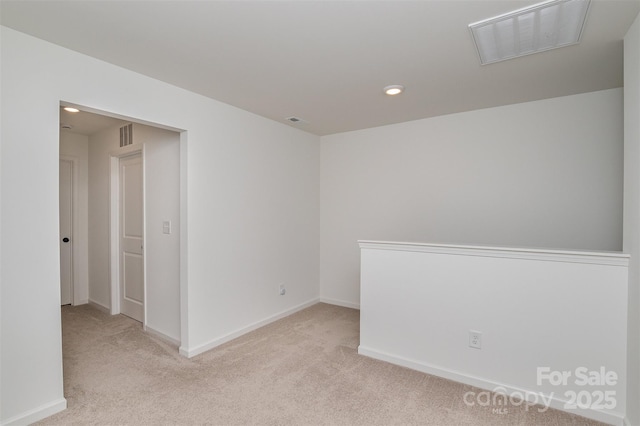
(86,123)
(327,61)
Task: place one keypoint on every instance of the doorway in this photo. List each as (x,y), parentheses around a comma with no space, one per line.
(127,234)
(157,263)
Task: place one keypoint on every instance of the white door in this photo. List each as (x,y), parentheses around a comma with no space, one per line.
(131,237)
(66,226)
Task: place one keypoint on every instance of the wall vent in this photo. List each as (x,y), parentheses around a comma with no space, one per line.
(126,135)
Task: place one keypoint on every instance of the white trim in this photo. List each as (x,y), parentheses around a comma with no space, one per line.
(184,244)
(191,352)
(558,404)
(161,335)
(38,413)
(114,226)
(143,160)
(342,303)
(100,306)
(590,257)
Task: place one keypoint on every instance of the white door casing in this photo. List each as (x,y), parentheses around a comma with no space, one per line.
(127,221)
(66,230)
(131,237)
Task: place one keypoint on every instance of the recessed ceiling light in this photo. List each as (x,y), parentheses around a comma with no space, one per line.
(394,89)
(543,26)
(70,109)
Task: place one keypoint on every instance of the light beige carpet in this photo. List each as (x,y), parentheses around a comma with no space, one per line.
(301,370)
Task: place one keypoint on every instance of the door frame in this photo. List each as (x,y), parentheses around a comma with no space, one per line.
(114,226)
(75,226)
(183,283)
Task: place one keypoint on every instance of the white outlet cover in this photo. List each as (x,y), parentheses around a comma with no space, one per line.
(475,339)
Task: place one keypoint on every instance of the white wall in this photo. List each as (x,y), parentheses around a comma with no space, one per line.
(632,211)
(252,202)
(162,202)
(252,199)
(77,147)
(539,174)
(100,145)
(535,308)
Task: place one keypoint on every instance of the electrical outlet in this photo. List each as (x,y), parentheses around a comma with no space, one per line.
(475,339)
(282,290)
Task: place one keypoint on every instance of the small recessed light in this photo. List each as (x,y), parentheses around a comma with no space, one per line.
(395,89)
(70,109)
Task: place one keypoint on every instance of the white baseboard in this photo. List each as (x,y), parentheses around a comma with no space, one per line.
(191,352)
(100,306)
(81,302)
(611,418)
(340,303)
(161,335)
(37,414)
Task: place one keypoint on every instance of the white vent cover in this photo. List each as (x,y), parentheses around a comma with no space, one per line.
(544,26)
(126,135)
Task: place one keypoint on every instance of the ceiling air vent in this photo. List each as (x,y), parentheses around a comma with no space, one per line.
(126,135)
(296,120)
(66,126)
(543,26)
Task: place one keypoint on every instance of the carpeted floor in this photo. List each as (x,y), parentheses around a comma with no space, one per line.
(301,370)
